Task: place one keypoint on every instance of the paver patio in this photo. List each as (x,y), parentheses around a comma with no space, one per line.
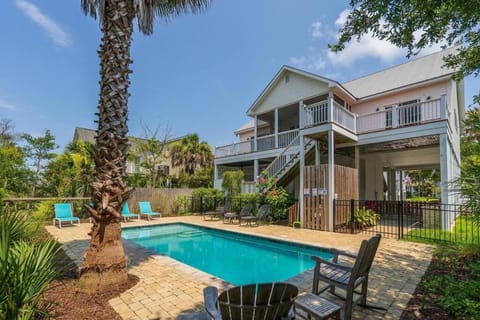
(168,288)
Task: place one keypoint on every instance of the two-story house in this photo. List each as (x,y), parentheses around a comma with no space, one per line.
(324,139)
(133,167)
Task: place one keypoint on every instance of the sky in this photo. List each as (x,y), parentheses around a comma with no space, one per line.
(195,74)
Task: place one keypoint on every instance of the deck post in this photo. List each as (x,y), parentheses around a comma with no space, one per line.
(331,178)
(302,171)
(300,114)
(255,170)
(444,179)
(317,153)
(443,106)
(276,128)
(255,124)
(330,107)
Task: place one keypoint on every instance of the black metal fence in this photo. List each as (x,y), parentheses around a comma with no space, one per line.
(407,220)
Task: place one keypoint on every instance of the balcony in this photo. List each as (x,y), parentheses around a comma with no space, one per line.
(322,112)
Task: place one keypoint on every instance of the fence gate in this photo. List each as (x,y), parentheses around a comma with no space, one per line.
(315,200)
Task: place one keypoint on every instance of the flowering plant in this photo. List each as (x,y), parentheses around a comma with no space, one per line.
(270,193)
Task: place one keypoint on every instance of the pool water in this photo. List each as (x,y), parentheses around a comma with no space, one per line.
(233,257)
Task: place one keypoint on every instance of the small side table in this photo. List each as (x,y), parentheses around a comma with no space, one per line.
(317,307)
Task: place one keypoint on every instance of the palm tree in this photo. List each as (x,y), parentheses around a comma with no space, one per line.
(104,261)
(191,154)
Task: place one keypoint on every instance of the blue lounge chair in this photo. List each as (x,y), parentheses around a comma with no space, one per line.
(126,214)
(146,210)
(63,212)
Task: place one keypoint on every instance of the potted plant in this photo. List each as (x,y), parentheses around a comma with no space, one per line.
(297,224)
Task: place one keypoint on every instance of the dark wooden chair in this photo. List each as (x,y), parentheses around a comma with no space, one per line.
(262,301)
(228,217)
(348,278)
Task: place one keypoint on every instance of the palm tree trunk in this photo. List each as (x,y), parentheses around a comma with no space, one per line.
(105,263)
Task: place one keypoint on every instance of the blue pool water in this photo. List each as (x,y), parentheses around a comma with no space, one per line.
(236,258)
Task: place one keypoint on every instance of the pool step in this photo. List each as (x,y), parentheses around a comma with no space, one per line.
(190,234)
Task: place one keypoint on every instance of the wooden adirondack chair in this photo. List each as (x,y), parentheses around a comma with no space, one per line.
(348,278)
(262,301)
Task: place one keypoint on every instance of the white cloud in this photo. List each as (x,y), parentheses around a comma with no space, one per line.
(53,30)
(5,105)
(366,47)
(342,18)
(312,62)
(317,29)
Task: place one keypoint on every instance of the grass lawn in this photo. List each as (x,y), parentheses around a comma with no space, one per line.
(466,231)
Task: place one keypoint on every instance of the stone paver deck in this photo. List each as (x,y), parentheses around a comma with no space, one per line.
(168,288)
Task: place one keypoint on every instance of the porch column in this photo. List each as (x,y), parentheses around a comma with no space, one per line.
(276,128)
(255,124)
(331,178)
(443,106)
(330,106)
(300,114)
(444,174)
(317,152)
(255,170)
(302,170)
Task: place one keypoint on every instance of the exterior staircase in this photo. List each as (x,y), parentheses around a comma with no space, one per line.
(289,157)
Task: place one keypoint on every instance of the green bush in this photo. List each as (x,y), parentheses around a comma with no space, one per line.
(26,269)
(181,205)
(44,211)
(205,199)
(241,200)
(364,218)
(232,182)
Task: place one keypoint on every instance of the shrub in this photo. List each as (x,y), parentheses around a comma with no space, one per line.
(277,197)
(181,205)
(44,211)
(205,199)
(241,200)
(364,218)
(232,182)
(25,269)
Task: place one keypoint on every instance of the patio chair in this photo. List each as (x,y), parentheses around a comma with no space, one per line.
(146,210)
(261,213)
(126,214)
(63,212)
(230,216)
(348,278)
(252,301)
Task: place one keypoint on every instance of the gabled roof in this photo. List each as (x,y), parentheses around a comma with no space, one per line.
(85,134)
(283,70)
(412,72)
(249,126)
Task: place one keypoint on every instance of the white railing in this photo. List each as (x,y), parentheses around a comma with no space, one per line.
(234,149)
(398,116)
(266,142)
(315,114)
(344,117)
(283,158)
(374,121)
(248,187)
(285,137)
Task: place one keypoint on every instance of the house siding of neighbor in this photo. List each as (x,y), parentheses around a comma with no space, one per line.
(402,118)
(84,134)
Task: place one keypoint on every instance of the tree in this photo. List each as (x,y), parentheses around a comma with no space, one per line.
(232,182)
(69,174)
(13,170)
(104,261)
(7,135)
(38,150)
(416,24)
(150,152)
(469,181)
(191,154)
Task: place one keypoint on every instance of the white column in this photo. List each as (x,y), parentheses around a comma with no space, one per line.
(443,106)
(276,128)
(330,106)
(255,170)
(445,199)
(395,117)
(331,177)
(302,170)
(300,115)
(255,127)
(317,152)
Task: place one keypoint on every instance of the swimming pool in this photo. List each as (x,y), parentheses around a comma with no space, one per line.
(233,257)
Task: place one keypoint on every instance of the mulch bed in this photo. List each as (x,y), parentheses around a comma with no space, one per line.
(67,303)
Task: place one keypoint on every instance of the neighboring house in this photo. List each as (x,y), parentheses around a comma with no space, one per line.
(84,134)
(363,133)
